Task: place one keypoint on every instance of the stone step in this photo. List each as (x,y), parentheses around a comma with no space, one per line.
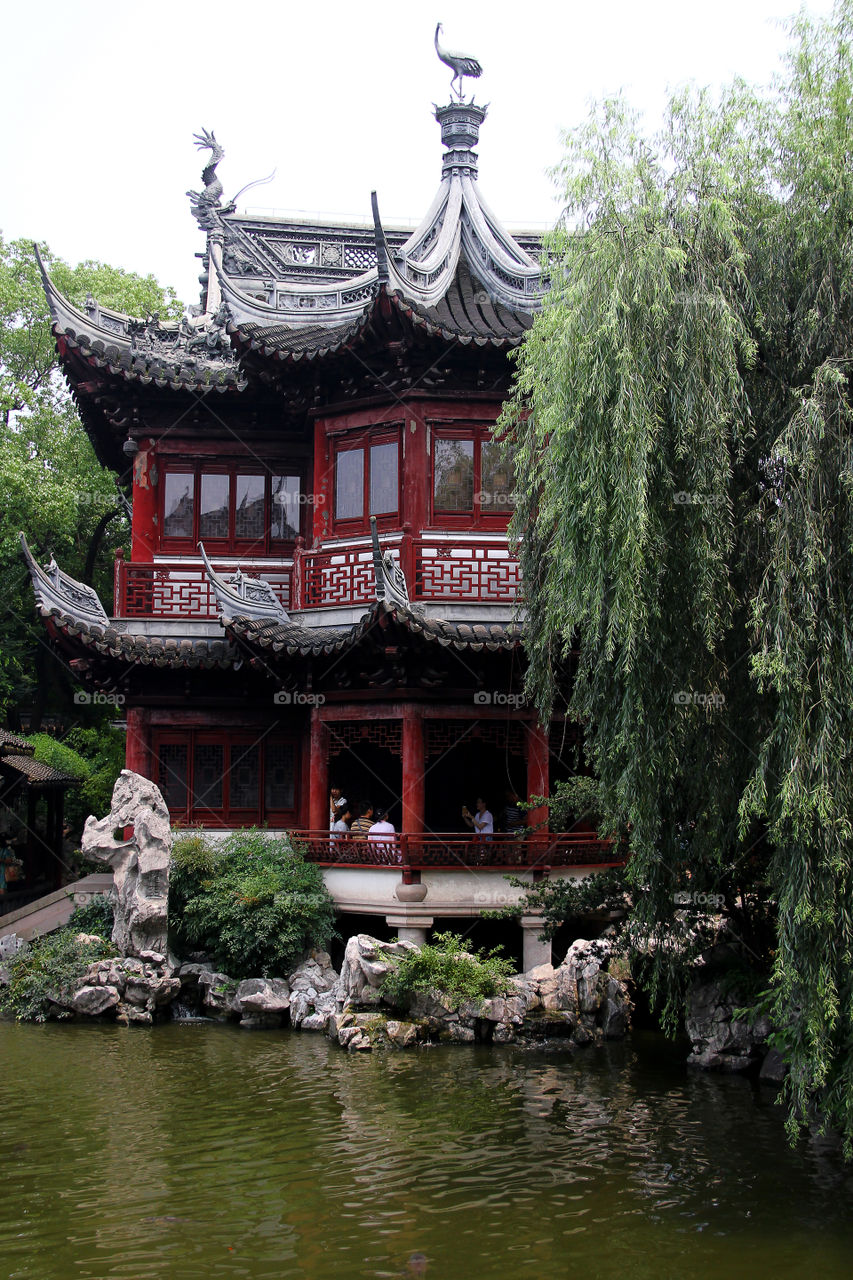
(54,909)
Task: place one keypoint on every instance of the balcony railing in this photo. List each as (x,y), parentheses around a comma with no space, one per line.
(470,569)
(452,851)
(467,569)
(181,590)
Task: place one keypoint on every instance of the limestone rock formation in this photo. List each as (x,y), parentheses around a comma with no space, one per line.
(365,968)
(140,864)
(135,988)
(721,1041)
(262,1002)
(581,1000)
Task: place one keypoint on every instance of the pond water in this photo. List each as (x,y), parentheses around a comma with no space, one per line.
(194,1151)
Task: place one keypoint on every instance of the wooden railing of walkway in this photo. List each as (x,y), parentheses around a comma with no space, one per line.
(450,851)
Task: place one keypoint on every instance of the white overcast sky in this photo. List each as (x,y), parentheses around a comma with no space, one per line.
(99,105)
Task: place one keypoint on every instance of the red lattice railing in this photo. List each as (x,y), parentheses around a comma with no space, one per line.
(181,590)
(469,570)
(418,852)
(465,570)
(337,577)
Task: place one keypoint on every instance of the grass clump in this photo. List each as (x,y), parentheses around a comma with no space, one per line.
(44,975)
(250,902)
(444,965)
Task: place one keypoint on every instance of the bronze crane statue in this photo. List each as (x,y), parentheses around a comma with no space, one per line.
(460,64)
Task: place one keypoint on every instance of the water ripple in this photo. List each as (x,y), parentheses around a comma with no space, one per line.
(198,1151)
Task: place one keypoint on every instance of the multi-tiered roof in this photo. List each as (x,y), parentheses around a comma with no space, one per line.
(279,290)
(283,303)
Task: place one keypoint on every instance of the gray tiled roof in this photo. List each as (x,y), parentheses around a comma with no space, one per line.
(36,772)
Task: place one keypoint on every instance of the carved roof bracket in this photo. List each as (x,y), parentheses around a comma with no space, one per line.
(390,580)
(243,596)
(55,590)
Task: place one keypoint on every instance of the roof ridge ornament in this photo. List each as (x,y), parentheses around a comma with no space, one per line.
(58,591)
(461,64)
(243,595)
(391,586)
(381,244)
(207,204)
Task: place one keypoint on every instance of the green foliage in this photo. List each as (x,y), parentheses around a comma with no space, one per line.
(96,755)
(54,488)
(97,916)
(445,965)
(682,421)
(46,973)
(560,900)
(250,902)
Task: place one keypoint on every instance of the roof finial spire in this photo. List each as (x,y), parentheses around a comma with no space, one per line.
(460,64)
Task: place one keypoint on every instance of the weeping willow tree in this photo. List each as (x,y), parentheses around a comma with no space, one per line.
(682,422)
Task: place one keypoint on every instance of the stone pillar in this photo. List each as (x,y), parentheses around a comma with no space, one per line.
(534,952)
(410,927)
(538,779)
(318,796)
(413,770)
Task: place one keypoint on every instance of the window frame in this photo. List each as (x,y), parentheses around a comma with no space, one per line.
(479,516)
(229,815)
(365,439)
(232,545)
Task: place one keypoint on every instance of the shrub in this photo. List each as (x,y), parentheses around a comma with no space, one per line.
(97,916)
(444,965)
(250,902)
(47,972)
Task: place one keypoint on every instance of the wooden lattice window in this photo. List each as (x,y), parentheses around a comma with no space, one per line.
(227,778)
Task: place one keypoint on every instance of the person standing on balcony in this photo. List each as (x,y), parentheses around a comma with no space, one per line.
(340,827)
(337,805)
(361,827)
(513,814)
(481,822)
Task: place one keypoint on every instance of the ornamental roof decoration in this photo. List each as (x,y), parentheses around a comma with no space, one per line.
(56,590)
(391,586)
(194,351)
(461,64)
(283,277)
(243,596)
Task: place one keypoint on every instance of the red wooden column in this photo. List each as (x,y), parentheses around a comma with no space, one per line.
(414,765)
(138,746)
(145,534)
(318,784)
(538,773)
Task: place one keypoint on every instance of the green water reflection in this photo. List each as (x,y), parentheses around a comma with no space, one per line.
(193,1151)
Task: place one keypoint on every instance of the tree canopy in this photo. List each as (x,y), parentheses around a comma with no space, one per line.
(682,422)
(53,487)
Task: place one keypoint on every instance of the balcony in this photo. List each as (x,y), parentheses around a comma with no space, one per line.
(452,851)
(438,569)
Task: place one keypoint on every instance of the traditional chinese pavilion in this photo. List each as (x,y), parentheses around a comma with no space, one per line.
(320,589)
